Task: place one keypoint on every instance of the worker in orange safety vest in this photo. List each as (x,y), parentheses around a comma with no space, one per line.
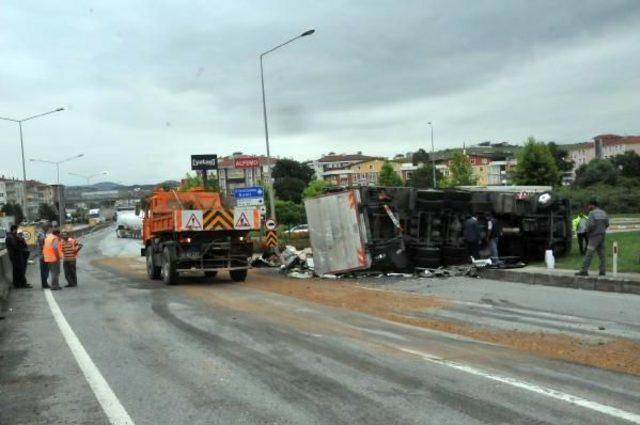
(69,249)
(51,254)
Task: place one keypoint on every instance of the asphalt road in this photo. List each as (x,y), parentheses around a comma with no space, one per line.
(226,353)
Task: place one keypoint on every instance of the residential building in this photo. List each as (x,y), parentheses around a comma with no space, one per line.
(498,174)
(366,172)
(239,170)
(11,191)
(325,166)
(38,193)
(603,146)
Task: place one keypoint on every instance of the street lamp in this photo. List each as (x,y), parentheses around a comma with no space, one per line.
(272,199)
(57,164)
(433,158)
(24,170)
(61,213)
(88,178)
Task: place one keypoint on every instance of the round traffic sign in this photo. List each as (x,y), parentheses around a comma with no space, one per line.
(270,224)
(26,235)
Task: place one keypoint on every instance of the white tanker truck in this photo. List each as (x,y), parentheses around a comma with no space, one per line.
(128,225)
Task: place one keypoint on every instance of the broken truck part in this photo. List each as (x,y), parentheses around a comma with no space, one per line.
(399,229)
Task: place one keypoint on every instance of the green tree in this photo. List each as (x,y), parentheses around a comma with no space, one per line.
(628,164)
(420,157)
(596,171)
(388,176)
(289,213)
(289,189)
(422,178)
(561,157)
(290,168)
(290,178)
(190,182)
(536,165)
(14,210)
(316,187)
(47,212)
(460,171)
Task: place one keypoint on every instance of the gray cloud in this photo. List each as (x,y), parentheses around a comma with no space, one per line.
(160,80)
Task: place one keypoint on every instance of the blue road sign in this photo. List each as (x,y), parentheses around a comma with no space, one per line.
(248,192)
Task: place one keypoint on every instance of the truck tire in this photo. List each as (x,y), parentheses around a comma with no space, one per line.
(210,274)
(238,275)
(153,271)
(168,269)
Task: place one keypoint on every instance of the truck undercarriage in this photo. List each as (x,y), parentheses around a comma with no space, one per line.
(170,254)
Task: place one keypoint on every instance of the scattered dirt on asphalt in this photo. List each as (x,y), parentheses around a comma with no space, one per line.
(618,354)
(621,355)
(344,294)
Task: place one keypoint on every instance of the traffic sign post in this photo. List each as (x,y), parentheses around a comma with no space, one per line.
(248,192)
(615,258)
(272,234)
(270,224)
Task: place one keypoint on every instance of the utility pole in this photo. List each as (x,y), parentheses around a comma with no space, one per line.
(433,159)
(272,197)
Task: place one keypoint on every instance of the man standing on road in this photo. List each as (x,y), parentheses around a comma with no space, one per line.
(69,249)
(51,253)
(597,224)
(580,229)
(471,235)
(493,236)
(16,246)
(44,268)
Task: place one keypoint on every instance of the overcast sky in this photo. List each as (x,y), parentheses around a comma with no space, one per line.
(147,83)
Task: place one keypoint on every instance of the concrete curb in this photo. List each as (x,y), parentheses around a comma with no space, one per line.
(565,280)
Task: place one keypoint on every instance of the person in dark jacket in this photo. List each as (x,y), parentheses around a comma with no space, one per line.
(16,247)
(471,236)
(597,224)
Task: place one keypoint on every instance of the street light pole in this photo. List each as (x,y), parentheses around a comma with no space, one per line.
(433,159)
(61,214)
(89,177)
(24,168)
(57,164)
(272,198)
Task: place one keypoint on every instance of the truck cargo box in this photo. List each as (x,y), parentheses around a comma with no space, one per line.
(337,232)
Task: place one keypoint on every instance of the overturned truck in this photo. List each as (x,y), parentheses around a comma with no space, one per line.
(398,228)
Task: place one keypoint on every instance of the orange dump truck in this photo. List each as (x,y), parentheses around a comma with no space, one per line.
(193,231)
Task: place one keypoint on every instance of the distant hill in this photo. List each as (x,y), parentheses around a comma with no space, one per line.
(106,186)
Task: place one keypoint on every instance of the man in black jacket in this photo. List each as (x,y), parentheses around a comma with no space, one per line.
(16,247)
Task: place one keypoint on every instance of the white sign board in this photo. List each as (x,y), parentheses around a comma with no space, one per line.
(249,202)
(189,220)
(246,218)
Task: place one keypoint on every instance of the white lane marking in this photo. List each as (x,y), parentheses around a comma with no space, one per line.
(546,391)
(110,404)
